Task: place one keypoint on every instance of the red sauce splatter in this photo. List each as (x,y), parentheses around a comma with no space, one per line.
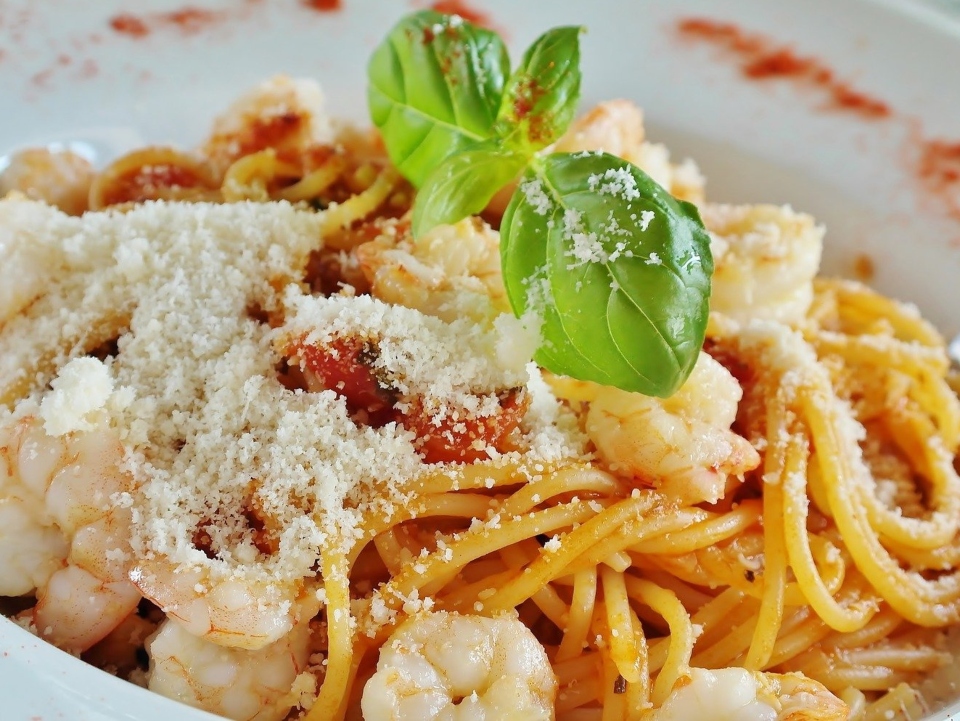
(529,93)
(939,171)
(864,268)
(89,69)
(763,59)
(129,25)
(934,162)
(186,20)
(458,7)
(190,20)
(323,6)
(42,78)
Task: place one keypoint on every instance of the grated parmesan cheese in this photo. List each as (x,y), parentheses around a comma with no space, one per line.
(535,196)
(207,427)
(80,390)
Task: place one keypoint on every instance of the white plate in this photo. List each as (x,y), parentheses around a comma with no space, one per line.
(66,76)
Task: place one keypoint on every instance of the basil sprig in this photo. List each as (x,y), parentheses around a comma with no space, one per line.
(616,269)
(439,86)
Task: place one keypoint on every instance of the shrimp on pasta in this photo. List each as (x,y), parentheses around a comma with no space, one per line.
(236,613)
(282,114)
(67,507)
(252,685)
(765,259)
(616,127)
(735,694)
(266,452)
(451,272)
(58,177)
(682,445)
(440,665)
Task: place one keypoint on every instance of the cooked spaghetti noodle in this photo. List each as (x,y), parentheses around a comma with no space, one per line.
(793,510)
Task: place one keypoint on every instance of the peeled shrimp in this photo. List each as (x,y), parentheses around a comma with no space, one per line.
(495,665)
(69,540)
(236,683)
(32,547)
(451,272)
(735,694)
(57,177)
(616,127)
(682,444)
(282,113)
(765,259)
(238,612)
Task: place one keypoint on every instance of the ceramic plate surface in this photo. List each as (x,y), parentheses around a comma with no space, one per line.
(863,149)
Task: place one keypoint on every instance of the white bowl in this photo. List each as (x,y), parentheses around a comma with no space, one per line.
(67,76)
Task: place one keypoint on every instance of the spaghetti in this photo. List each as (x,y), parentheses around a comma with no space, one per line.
(793,510)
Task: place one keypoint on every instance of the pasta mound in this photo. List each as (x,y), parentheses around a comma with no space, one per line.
(262,425)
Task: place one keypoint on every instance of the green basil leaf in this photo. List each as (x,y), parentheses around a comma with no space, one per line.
(617,269)
(434,88)
(463,185)
(542,94)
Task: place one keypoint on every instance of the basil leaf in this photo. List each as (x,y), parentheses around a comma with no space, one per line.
(435,86)
(463,185)
(618,270)
(542,94)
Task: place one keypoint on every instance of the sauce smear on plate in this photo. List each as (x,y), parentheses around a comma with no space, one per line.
(762,59)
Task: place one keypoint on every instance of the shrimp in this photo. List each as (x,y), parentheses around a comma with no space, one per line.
(70,544)
(236,683)
(765,259)
(495,665)
(58,177)
(32,548)
(451,272)
(237,612)
(735,694)
(682,444)
(282,113)
(616,127)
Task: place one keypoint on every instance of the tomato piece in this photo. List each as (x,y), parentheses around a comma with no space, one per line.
(466,440)
(346,366)
(343,366)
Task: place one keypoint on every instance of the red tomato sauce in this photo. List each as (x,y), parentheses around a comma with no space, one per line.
(323,6)
(761,58)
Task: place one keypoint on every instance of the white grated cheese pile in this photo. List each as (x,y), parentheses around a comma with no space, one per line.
(210,432)
(449,365)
